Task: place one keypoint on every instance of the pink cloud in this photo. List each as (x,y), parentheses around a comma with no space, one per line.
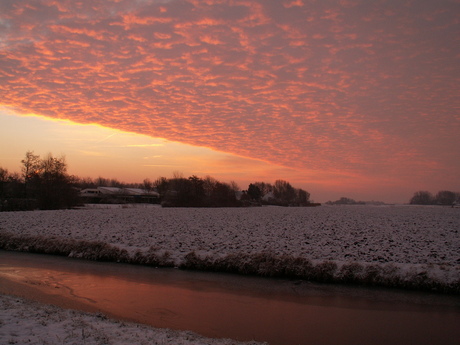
(351,86)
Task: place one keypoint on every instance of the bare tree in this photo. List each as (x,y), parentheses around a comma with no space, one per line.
(283,191)
(30,165)
(30,169)
(254,192)
(445,197)
(4,174)
(265,188)
(148,185)
(303,197)
(422,198)
(234,186)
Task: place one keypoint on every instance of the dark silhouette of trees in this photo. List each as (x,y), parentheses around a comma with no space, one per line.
(345,201)
(223,195)
(4,174)
(195,192)
(185,192)
(422,198)
(11,186)
(281,193)
(302,197)
(254,192)
(147,185)
(264,187)
(46,180)
(45,184)
(284,192)
(53,186)
(30,169)
(161,184)
(443,197)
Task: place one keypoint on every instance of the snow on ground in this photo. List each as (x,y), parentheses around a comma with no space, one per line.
(425,238)
(25,322)
(401,234)
(421,239)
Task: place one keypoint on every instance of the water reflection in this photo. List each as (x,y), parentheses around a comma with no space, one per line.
(242,308)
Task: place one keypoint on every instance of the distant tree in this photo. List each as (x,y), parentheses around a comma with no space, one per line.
(209,183)
(162,185)
(280,193)
(147,184)
(345,201)
(11,191)
(179,191)
(46,181)
(234,186)
(177,175)
(85,182)
(302,197)
(223,196)
(30,165)
(53,185)
(30,169)
(4,179)
(102,182)
(264,187)
(284,192)
(4,174)
(115,183)
(422,198)
(196,191)
(445,197)
(188,192)
(254,192)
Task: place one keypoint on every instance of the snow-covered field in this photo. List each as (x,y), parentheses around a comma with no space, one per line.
(403,246)
(25,322)
(415,244)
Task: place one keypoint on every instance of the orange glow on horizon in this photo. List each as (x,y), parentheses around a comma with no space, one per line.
(350,95)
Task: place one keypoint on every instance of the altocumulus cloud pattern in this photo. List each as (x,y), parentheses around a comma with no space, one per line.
(352,87)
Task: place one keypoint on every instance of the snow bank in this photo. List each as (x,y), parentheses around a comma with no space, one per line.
(403,246)
(24,322)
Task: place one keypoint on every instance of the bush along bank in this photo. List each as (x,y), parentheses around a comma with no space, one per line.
(264,264)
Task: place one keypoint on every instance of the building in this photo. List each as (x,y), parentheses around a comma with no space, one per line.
(115,195)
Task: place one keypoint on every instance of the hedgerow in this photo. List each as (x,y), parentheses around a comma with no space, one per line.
(264,264)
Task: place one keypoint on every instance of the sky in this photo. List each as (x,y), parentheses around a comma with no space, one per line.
(355,98)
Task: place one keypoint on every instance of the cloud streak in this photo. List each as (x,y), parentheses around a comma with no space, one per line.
(352,86)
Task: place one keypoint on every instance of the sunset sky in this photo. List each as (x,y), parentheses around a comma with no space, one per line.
(356,98)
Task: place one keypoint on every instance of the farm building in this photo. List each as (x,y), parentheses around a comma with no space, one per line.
(114,195)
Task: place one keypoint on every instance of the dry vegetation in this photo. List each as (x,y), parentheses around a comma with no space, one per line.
(403,247)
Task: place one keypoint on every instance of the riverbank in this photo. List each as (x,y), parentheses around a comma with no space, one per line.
(400,246)
(26,322)
(277,311)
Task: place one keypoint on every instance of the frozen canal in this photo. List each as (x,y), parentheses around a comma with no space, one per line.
(242,308)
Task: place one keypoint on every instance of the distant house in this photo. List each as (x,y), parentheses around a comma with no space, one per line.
(114,195)
(270,196)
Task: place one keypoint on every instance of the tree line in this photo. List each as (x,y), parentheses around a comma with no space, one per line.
(348,201)
(443,197)
(45,184)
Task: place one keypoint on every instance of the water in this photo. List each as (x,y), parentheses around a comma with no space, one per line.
(229,306)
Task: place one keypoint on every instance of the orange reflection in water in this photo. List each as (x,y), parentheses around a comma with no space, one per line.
(242,308)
